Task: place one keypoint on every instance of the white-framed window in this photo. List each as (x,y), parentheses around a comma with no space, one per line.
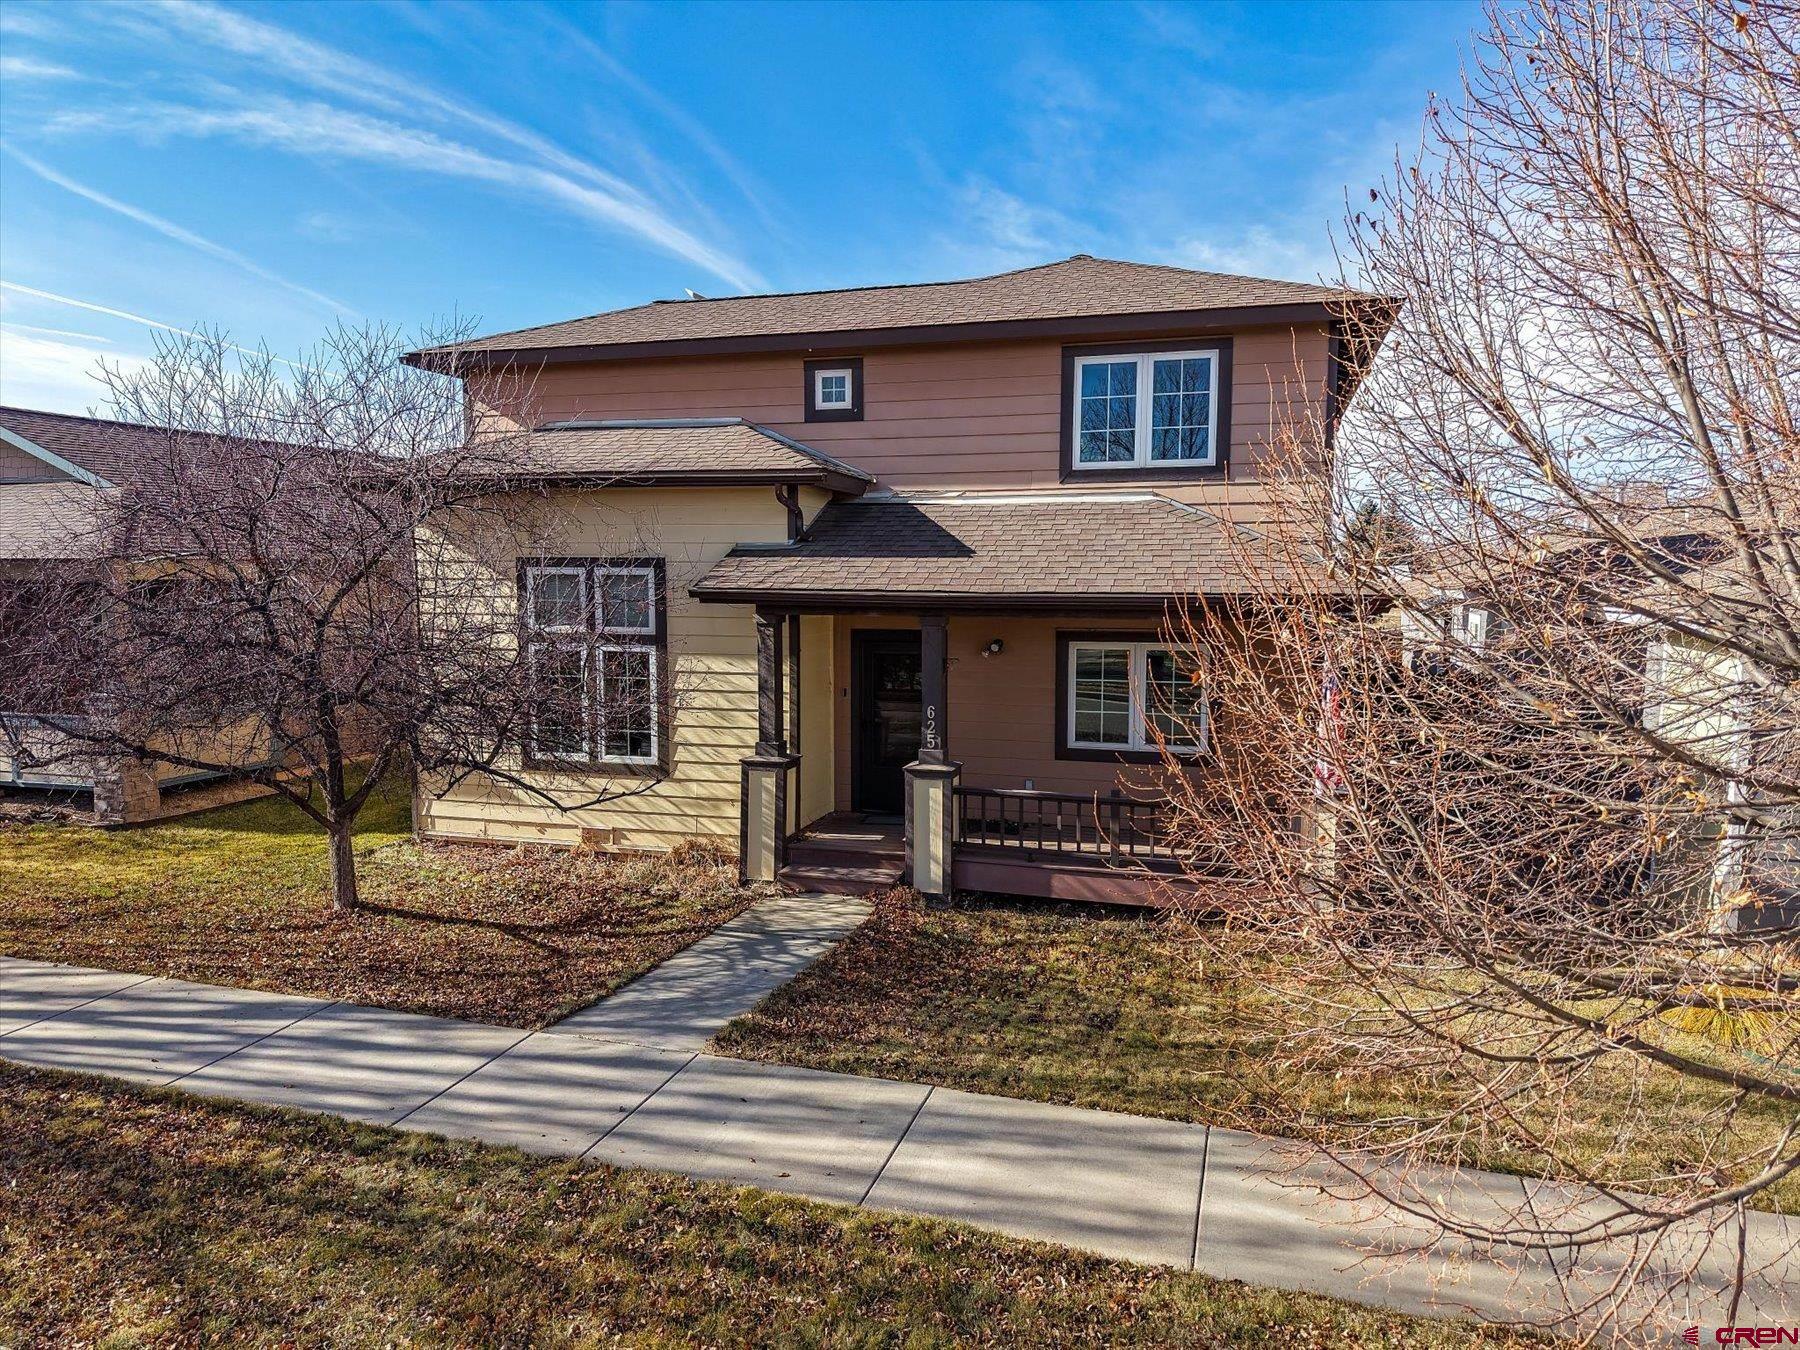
(1134,696)
(834,390)
(594,647)
(1146,410)
(556,599)
(625,600)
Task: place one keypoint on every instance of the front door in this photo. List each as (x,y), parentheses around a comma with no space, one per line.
(884,718)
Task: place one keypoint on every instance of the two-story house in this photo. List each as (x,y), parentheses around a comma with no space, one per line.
(903,555)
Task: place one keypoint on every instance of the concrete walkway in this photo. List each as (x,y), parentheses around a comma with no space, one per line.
(1149,1190)
(681,1003)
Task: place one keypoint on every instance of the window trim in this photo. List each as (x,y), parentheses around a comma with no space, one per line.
(594,639)
(1145,469)
(834,412)
(586,602)
(1143,428)
(824,373)
(587,708)
(1143,750)
(611,568)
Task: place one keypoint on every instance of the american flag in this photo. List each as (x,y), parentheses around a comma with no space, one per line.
(1327,781)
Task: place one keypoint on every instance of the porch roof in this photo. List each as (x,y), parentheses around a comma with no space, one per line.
(1022,550)
(695,451)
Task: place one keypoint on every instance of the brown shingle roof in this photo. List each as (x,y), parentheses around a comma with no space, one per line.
(106,449)
(1075,287)
(1113,549)
(683,450)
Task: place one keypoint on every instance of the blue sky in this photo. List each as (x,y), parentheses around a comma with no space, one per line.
(270,168)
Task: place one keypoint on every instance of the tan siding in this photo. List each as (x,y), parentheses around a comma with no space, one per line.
(818,720)
(16,466)
(985,415)
(712,650)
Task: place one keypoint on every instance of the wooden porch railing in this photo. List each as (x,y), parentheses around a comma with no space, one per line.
(1073,826)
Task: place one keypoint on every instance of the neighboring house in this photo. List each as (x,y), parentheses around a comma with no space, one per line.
(1696,694)
(55,473)
(902,555)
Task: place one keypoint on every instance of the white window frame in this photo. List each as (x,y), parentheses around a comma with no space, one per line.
(592,638)
(1146,370)
(613,629)
(587,703)
(1138,701)
(532,574)
(655,755)
(821,403)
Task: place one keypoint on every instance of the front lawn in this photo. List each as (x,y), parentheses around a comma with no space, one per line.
(238,896)
(1119,1012)
(132,1217)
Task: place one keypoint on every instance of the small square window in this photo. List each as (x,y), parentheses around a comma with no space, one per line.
(834,390)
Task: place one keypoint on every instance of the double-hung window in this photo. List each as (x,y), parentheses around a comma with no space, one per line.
(593,630)
(1134,696)
(1146,410)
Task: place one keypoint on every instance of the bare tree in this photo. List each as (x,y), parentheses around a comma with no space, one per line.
(1523,803)
(308,580)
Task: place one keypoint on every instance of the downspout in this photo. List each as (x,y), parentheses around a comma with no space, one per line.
(788,494)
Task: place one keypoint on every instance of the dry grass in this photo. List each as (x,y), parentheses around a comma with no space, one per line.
(130,1217)
(237,896)
(1122,1013)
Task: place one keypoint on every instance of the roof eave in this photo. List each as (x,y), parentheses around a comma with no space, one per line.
(830,480)
(1152,324)
(851,600)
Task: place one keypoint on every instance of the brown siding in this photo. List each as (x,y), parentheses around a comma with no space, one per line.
(1002,708)
(936,417)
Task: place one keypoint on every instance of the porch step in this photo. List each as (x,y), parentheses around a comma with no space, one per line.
(842,878)
(816,853)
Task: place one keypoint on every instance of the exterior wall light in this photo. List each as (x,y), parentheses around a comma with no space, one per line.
(994,648)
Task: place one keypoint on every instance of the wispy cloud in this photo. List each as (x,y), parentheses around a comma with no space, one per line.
(323,131)
(30,68)
(690,126)
(334,131)
(45,372)
(1301,254)
(1010,223)
(168,228)
(18,21)
(75,333)
(19,289)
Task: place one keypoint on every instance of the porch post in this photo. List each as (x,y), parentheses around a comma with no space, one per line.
(763,808)
(931,780)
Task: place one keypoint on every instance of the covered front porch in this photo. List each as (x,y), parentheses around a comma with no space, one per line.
(975,670)
(931,748)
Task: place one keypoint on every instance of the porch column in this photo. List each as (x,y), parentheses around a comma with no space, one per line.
(931,779)
(763,810)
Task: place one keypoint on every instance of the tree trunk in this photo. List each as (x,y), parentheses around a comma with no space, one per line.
(343,870)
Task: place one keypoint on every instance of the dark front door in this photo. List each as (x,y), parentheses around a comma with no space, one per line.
(884,718)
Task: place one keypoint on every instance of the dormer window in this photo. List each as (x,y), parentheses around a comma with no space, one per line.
(834,390)
(1150,412)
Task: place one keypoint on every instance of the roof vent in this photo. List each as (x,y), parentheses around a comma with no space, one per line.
(1081,257)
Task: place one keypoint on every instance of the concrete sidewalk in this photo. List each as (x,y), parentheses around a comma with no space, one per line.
(1159,1191)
